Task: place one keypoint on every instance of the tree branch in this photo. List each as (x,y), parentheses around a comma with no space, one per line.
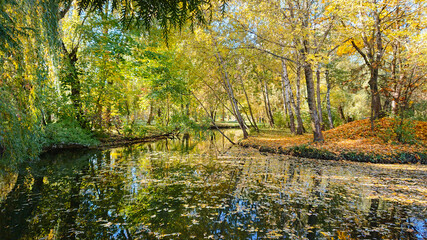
(361,53)
(273,54)
(259,36)
(212,120)
(324,36)
(64,11)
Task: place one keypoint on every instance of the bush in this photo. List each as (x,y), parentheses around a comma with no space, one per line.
(362,157)
(135,129)
(401,130)
(418,111)
(67,132)
(280,120)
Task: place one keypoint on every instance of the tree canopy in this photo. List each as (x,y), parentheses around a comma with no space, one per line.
(105,67)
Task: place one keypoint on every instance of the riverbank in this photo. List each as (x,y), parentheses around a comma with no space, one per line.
(353,141)
(224,125)
(109,142)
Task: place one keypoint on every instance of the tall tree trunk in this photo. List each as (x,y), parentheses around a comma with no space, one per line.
(73,80)
(328,99)
(267,97)
(150,114)
(375,95)
(246,114)
(236,108)
(319,101)
(266,102)
(300,127)
(315,123)
(230,93)
(167,111)
(373,82)
(290,111)
(373,61)
(286,91)
(253,122)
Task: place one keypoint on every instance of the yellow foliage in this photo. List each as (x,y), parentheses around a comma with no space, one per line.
(347,47)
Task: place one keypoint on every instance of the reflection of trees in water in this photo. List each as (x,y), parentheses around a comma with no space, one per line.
(104,198)
(136,191)
(185,201)
(19,205)
(33,203)
(195,142)
(317,211)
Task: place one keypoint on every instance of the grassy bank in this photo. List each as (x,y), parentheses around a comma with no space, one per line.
(27,144)
(353,141)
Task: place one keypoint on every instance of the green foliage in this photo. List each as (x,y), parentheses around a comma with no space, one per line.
(185,124)
(165,13)
(19,132)
(280,120)
(356,106)
(418,111)
(306,119)
(401,130)
(309,152)
(362,157)
(135,129)
(335,117)
(67,132)
(8,28)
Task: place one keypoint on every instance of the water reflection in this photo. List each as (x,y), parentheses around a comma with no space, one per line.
(198,188)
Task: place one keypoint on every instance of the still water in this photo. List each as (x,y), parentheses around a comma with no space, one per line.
(199,188)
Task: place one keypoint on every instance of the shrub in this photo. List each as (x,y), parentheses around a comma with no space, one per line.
(400,130)
(67,132)
(418,111)
(135,129)
(281,120)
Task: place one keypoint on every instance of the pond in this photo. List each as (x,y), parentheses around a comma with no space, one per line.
(199,187)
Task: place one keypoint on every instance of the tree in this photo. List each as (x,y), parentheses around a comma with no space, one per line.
(147,13)
(371,28)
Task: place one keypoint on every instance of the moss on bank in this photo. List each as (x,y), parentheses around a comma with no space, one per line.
(307,151)
(353,141)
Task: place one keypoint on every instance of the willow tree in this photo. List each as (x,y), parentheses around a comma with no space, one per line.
(146,13)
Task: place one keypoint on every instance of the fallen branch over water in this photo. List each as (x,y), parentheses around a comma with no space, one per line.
(126,141)
(111,141)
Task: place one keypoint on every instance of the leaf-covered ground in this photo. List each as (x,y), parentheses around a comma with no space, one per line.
(352,141)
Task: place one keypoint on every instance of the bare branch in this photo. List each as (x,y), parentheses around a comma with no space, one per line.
(212,120)
(325,35)
(245,28)
(273,54)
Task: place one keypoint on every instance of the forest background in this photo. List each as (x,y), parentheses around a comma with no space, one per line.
(73,72)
